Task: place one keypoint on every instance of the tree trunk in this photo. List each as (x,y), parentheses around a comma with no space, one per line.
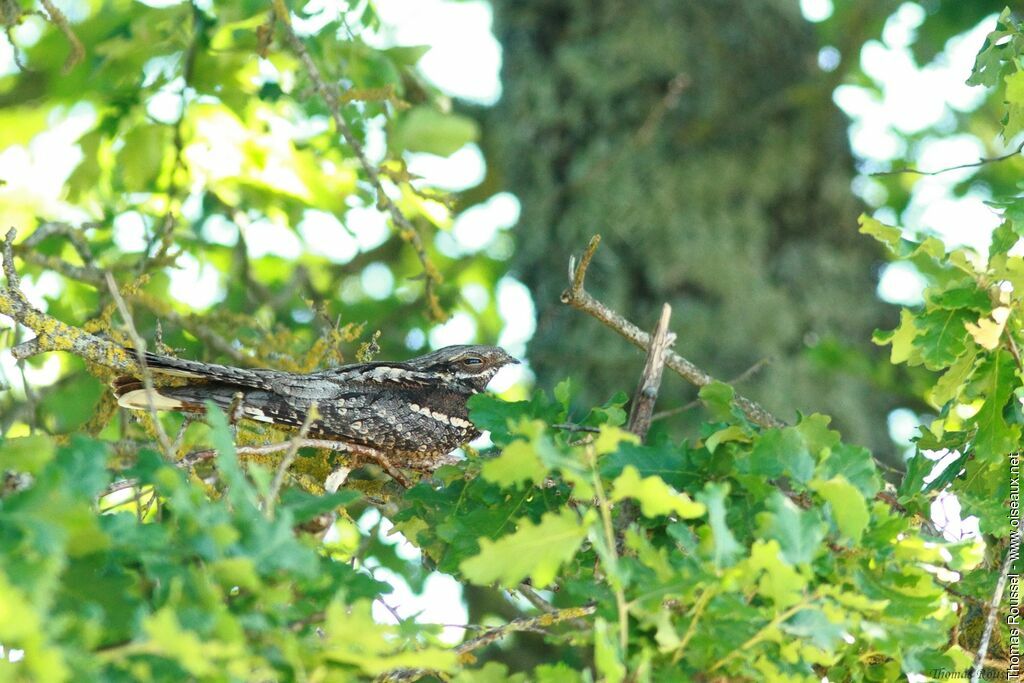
(700,140)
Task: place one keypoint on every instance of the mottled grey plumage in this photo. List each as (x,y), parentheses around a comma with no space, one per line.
(413,411)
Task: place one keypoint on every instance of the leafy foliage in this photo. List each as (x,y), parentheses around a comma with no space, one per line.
(739,553)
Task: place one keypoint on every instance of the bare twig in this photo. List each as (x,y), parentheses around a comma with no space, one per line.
(578,297)
(11,15)
(337,477)
(61,21)
(535,598)
(611,557)
(199,328)
(88,272)
(753,369)
(163,235)
(119,486)
(289,458)
(642,409)
(13,281)
(407,231)
(679,83)
(644,135)
(974,164)
(179,439)
(647,390)
(140,355)
(392,610)
(1012,553)
(67,230)
(698,611)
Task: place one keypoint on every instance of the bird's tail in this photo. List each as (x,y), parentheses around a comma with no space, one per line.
(131,393)
(244,402)
(219,383)
(226,374)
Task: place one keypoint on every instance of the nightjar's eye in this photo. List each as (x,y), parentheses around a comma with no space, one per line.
(471,361)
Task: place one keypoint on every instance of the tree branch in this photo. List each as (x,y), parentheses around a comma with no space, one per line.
(579,298)
(526,624)
(139,345)
(642,410)
(289,458)
(52,334)
(493,635)
(534,598)
(406,230)
(974,164)
(752,370)
(363,452)
(60,21)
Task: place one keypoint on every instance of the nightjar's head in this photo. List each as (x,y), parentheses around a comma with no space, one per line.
(469,365)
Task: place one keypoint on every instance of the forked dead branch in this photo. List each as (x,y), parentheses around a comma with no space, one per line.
(579,298)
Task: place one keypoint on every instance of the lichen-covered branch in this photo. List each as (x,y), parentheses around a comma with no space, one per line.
(578,297)
(526,624)
(493,635)
(52,334)
(356,450)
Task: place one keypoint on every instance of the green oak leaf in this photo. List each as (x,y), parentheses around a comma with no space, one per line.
(849,509)
(609,437)
(426,129)
(518,463)
(962,297)
(723,544)
(902,340)
(855,464)
(995,438)
(799,532)
(955,378)
(654,495)
(779,581)
(534,551)
(782,451)
(888,235)
(942,336)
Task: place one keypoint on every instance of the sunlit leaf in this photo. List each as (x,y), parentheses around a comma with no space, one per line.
(425,129)
(799,532)
(849,509)
(654,495)
(535,551)
(724,546)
